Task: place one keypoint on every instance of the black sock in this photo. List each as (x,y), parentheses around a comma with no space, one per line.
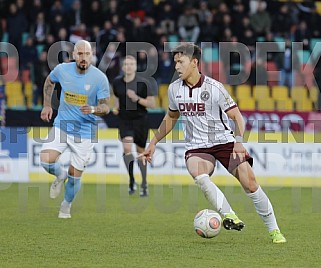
(129,162)
(143,170)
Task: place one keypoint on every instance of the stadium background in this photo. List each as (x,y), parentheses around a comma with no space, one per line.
(291,111)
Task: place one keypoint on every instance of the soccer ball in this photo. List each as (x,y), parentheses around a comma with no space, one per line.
(207,223)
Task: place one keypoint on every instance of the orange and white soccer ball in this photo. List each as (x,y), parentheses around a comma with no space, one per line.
(207,223)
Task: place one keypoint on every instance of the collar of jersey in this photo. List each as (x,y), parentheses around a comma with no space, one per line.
(198,84)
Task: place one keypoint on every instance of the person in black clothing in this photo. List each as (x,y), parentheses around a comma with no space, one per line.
(134,94)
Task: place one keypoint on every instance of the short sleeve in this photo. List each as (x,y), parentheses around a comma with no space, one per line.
(103,90)
(55,74)
(225,101)
(171,100)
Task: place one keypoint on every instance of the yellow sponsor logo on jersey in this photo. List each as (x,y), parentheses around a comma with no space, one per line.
(75,99)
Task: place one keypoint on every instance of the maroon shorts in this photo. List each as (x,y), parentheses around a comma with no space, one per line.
(223,153)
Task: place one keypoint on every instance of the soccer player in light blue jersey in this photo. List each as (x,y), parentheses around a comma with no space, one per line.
(84,97)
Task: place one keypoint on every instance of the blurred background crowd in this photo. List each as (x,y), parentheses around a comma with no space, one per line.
(32,26)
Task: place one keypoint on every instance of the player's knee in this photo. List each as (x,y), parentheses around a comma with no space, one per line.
(72,171)
(252,185)
(194,173)
(197,172)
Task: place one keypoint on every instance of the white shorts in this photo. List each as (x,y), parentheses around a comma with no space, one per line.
(80,149)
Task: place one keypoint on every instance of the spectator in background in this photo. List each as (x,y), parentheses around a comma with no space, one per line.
(106,35)
(79,33)
(244,25)
(188,26)
(121,31)
(282,22)
(226,36)
(303,34)
(42,70)
(165,68)
(258,74)
(57,23)
(273,47)
(167,18)
(288,65)
(238,14)
(64,46)
(110,62)
(34,11)
(137,31)
(222,10)
(260,20)
(249,40)
(314,22)
(226,23)
(203,11)
(112,9)
(39,29)
(50,39)
(22,7)
(141,61)
(150,30)
(56,9)
(15,32)
(75,16)
(28,55)
(234,62)
(209,31)
(94,15)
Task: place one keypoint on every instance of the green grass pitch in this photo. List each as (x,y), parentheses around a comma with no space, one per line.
(110,229)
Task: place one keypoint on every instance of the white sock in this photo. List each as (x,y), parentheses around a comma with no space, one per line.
(63,175)
(264,208)
(213,194)
(66,203)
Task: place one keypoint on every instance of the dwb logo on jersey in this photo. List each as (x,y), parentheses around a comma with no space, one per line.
(191,109)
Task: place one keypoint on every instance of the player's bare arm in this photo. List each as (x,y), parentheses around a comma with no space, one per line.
(115,109)
(101,109)
(237,117)
(165,127)
(46,113)
(148,102)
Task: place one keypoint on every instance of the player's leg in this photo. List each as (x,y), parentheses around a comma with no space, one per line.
(143,171)
(244,173)
(72,187)
(49,155)
(126,133)
(141,134)
(129,160)
(200,167)
(80,156)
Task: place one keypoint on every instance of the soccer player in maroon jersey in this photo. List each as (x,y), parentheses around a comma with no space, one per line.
(205,108)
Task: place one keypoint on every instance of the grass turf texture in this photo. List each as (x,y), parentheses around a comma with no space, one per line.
(111,229)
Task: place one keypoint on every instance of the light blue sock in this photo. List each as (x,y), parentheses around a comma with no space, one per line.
(71,188)
(54,169)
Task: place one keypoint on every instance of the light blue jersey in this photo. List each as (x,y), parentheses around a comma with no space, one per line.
(77,90)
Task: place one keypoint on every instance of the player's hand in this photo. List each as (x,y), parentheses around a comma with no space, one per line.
(132,95)
(86,109)
(46,114)
(239,151)
(147,154)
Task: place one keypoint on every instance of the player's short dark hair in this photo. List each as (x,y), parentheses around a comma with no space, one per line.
(188,49)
